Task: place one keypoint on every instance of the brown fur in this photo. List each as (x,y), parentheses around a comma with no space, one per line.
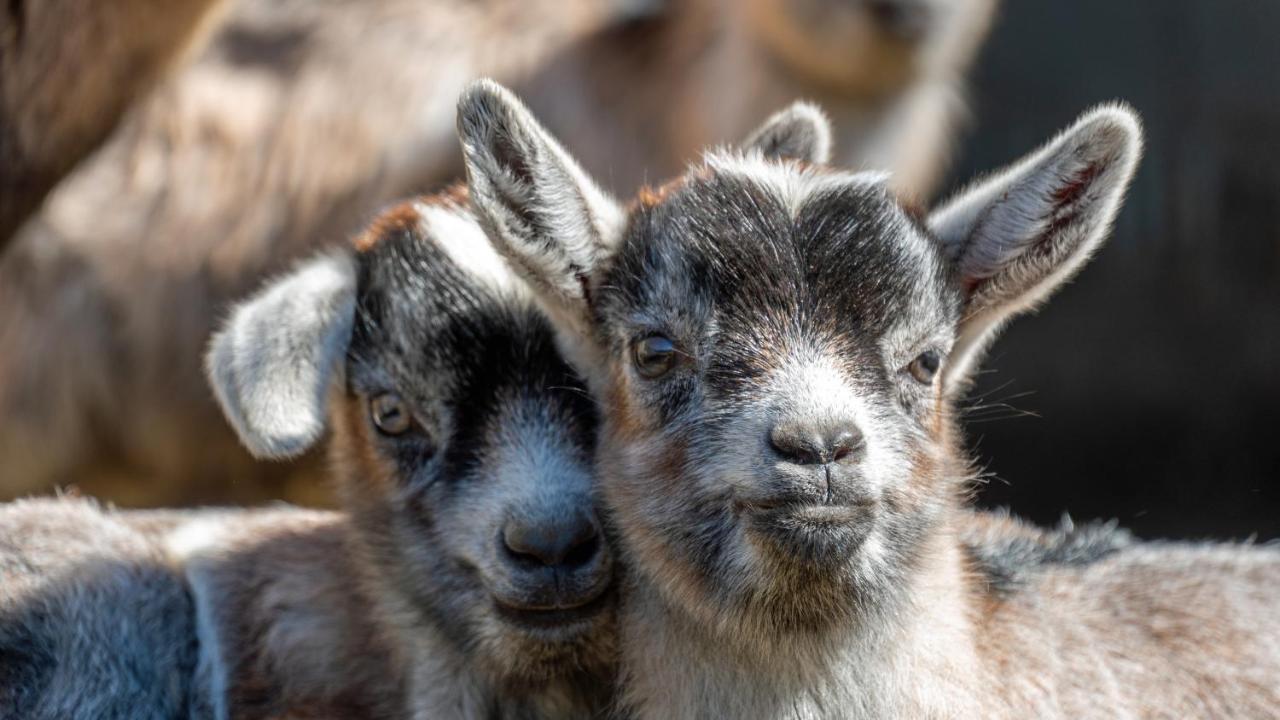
(68,71)
(296,620)
(1161,630)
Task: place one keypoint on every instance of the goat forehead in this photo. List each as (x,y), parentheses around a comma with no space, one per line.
(434,330)
(780,249)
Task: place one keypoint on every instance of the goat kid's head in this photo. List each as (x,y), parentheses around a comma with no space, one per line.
(462,441)
(775,344)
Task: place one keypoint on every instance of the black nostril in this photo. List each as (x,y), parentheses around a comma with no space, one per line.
(566,542)
(845,444)
(796,443)
(582,553)
(808,444)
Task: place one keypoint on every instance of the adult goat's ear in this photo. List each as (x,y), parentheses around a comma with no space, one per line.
(271,363)
(539,208)
(1017,236)
(800,132)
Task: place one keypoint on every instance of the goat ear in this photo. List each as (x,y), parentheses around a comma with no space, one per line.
(800,132)
(271,364)
(1017,236)
(539,208)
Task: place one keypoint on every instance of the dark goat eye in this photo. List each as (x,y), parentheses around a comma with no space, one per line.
(390,414)
(925,366)
(654,356)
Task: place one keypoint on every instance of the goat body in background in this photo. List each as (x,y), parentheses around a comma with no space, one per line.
(68,72)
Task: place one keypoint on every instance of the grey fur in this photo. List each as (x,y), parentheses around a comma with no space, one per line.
(271,364)
(859,585)
(527,188)
(1010,562)
(800,132)
(94,620)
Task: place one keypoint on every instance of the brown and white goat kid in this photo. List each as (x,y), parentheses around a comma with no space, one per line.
(467,575)
(778,347)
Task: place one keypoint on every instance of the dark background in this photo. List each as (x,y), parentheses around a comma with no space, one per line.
(1153,377)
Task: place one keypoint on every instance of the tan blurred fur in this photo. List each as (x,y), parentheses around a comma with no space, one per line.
(643,99)
(68,71)
(289,616)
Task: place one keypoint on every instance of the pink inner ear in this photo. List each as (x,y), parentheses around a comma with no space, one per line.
(1066,197)
(1063,197)
(1073,189)
(970,284)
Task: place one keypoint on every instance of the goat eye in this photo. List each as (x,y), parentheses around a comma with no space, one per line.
(390,414)
(654,356)
(925,366)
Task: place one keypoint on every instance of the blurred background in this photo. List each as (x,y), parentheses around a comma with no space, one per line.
(1154,379)
(158,160)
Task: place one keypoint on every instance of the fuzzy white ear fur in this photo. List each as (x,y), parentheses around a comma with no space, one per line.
(800,132)
(539,208)
(271,364)
(1018,235)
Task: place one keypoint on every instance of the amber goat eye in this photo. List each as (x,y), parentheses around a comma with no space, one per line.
(390,414)
(925,367)
(654,356)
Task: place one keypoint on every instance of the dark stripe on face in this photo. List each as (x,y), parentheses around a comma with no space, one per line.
(444,337)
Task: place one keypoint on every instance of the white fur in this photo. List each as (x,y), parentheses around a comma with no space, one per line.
(817,389)
(194,537)
(793,185)
(211,669)
(271,364)
(190,545)
(462,239)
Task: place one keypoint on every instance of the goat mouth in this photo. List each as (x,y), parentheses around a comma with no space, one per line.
(813,530)
(812,510)
(544,618)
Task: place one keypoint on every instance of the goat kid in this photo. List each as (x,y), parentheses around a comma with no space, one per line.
(466,576)
(778,347)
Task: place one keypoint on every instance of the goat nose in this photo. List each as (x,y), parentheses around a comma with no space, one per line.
(567,542)
(806,444)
